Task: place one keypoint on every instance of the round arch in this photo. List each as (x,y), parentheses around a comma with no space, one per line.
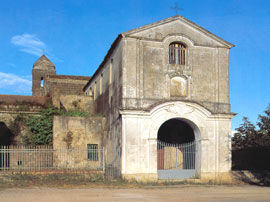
(175,131)
(191,114)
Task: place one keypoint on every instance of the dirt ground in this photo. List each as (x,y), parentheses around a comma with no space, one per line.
(174,193)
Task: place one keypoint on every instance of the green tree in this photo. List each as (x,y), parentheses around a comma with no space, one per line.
(249,136)
(264,127)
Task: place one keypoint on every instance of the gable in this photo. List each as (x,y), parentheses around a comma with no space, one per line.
(178,26)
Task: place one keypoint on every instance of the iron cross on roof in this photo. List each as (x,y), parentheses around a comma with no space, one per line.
(176,8)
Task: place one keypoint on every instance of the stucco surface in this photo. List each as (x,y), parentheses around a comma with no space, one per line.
(148,90)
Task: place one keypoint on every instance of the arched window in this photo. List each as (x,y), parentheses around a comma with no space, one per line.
(177,53)
(42,82)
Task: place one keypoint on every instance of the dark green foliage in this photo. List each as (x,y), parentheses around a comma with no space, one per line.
(264,126)
(249,136)
(40,128)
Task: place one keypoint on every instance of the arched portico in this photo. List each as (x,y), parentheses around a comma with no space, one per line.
(140,138)
(177,152)
(192,114)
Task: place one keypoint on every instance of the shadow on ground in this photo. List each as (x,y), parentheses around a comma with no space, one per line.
(260,178)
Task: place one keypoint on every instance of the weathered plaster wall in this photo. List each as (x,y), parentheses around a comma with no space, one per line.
(147,72)
(106,89)
(177,27)
(144,80)
(76,133)
(83,130)
(212,135)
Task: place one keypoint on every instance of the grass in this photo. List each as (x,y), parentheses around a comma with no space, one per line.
(81,180)
(49,180)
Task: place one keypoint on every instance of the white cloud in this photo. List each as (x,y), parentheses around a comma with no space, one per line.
(29,43)
(15,83)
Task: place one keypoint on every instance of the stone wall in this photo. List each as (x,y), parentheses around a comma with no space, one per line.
(12,106)
(82,131)
(65,85)
(76,133)
(7,134)
(71,102)
(23,103)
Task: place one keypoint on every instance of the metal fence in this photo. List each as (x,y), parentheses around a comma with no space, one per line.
(43,158)
(176,156)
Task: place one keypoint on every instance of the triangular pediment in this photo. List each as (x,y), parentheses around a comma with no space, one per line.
(178,25)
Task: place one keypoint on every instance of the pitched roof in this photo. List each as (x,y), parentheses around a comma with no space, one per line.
(183,19)
(43,63)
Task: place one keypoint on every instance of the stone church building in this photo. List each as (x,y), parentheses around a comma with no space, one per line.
(161,86)
(163,89)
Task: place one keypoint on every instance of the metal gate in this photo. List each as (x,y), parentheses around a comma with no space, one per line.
(176,161)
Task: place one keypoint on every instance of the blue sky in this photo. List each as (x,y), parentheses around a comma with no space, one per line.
(76,35)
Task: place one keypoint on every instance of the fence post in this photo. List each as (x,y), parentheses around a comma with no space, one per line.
(176,163)
(103,159)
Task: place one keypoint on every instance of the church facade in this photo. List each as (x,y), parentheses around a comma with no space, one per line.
(167,82)
(163,89)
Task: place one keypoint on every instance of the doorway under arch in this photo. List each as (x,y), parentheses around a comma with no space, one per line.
(176,147)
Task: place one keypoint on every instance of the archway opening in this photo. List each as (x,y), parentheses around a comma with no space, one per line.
(6,135)
(176,131)
(176,149)
(6,139)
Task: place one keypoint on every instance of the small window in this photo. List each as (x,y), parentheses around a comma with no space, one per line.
(110,71)
(92,152)
(177,53)
(95,90)
(91,91)
(100,84)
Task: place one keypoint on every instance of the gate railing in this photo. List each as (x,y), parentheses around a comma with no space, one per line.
(42,158)
(176,156)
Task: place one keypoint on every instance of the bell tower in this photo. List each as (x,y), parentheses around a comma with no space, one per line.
(42,67)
